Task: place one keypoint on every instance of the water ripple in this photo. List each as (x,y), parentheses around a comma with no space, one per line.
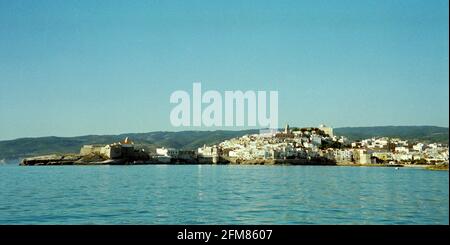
(222,195)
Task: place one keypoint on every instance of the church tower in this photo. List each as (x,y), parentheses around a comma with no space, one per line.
(286,129)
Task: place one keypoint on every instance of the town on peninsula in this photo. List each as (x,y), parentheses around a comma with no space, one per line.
(291,146)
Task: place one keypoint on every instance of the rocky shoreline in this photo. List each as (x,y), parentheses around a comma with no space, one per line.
(95,159)
(76,159)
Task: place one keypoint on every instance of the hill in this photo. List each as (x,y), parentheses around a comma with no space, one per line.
(413,133)
(25,147)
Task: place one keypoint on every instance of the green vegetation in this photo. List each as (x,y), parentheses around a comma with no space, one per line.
(331,144)
(427,134)
(419,162)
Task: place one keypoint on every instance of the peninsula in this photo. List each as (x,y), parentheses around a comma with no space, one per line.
(293,146)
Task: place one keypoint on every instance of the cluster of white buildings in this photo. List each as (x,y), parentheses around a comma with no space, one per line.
(166,155)
(309,143)
(289,144)
(395,150)
(205,154)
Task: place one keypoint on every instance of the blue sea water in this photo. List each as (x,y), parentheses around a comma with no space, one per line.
(208,194)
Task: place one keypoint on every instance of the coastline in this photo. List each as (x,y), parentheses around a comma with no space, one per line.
(441,167)
(350,164)
(75,160)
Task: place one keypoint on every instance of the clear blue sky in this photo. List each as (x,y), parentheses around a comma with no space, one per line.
(103,67)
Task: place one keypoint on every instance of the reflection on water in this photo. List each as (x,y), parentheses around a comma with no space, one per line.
(193,194)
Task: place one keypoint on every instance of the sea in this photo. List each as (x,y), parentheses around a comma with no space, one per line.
(222,194)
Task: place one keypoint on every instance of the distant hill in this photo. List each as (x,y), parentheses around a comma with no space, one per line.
(412,133)
(24,147)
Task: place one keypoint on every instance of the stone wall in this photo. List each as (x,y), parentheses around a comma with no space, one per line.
(90,149)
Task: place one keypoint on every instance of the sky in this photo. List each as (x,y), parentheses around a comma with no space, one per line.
(71,68)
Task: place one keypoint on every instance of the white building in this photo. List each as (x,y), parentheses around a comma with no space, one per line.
(401,149)
(168,152)
(343,155)
(419,147)
(316,139)
(327,130)
(208,151)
